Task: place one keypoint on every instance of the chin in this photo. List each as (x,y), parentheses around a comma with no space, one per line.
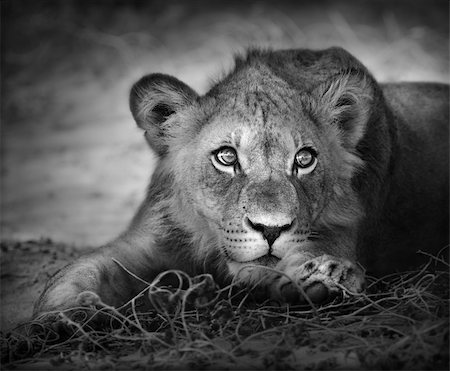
(253,271)
(269,261)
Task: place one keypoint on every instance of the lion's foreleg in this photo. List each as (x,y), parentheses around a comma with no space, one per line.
(115,273)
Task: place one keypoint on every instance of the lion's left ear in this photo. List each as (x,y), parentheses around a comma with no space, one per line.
(153,99)
(346,103)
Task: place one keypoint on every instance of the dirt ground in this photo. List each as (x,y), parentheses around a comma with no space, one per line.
(25,267)
(74,166)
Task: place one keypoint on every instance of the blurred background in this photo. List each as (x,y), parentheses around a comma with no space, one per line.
(74,166)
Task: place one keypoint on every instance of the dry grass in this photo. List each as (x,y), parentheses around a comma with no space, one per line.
(401,322)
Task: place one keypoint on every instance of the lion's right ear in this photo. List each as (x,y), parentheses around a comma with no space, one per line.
(153,99)
(346,102)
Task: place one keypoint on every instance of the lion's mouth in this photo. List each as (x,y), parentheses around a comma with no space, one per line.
(267,260)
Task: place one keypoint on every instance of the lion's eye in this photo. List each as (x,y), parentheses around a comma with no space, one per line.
(305,158)
(226,156)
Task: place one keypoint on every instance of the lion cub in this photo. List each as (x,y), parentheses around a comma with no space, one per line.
(297,170)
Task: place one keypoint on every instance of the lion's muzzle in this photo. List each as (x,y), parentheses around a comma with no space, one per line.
(269,232)
(249,240)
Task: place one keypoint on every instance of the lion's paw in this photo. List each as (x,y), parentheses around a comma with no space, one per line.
(320,279)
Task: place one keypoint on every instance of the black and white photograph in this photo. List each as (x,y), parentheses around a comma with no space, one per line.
(224,185)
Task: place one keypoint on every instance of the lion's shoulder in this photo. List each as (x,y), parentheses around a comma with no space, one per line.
(410,94)
(423,106)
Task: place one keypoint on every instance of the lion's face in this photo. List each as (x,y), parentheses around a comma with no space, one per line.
(258,167)
(259,178)
(260,184)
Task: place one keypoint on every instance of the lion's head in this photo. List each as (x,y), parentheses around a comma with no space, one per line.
(265,162)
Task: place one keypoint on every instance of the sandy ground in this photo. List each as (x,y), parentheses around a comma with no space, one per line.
(74,166)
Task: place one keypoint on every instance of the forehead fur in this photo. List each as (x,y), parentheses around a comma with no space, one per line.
(265,84)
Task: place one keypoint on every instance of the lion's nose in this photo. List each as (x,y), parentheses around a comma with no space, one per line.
(269,232)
